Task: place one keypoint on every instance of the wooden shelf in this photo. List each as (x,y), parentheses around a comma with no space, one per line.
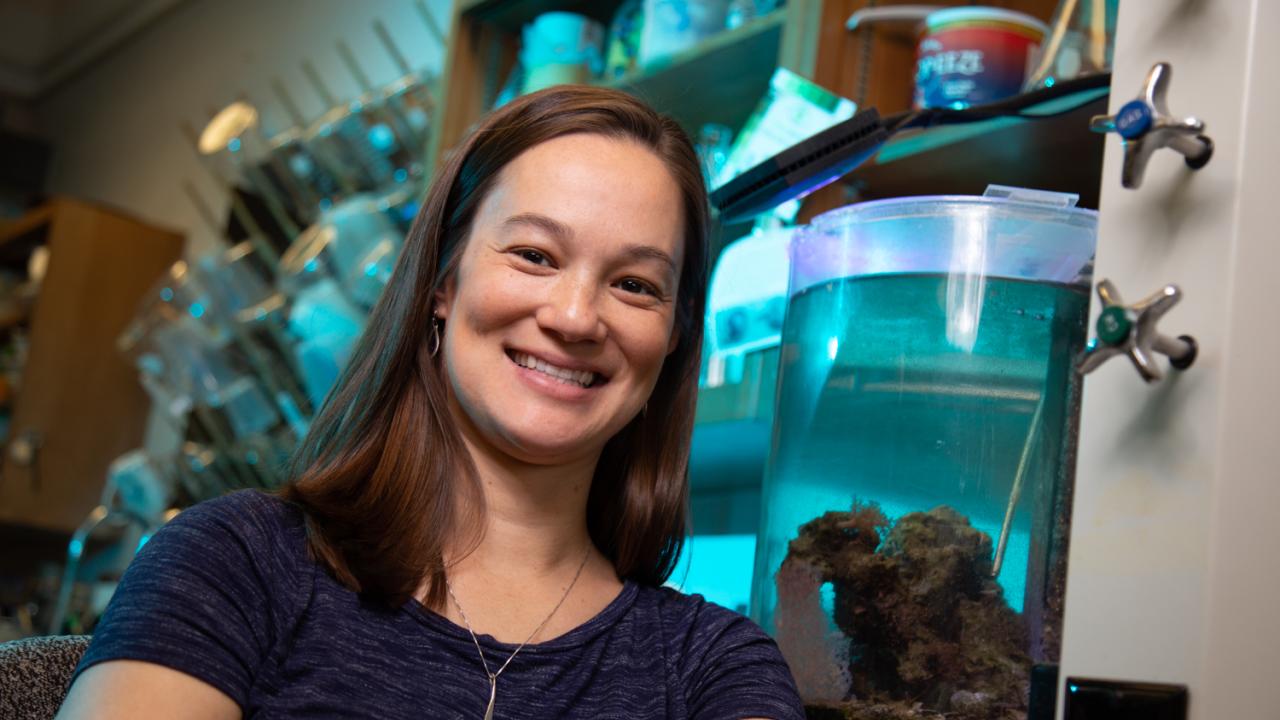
(79,396)
(1055,153)
(693,86)
(35,221)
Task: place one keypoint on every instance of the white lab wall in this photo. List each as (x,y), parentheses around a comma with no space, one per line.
(115,128)
(1172,572)
(1242,626)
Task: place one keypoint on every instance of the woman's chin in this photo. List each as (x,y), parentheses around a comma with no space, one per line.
(544,445)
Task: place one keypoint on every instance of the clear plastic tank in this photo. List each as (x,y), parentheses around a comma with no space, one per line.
(913,546)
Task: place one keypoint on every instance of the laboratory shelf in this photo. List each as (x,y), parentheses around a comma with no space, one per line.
(693,86)
(1056,153)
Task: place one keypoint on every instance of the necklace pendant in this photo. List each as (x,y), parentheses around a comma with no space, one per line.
(493,695)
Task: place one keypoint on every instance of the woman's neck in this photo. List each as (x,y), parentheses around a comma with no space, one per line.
(534,549)
(535,519)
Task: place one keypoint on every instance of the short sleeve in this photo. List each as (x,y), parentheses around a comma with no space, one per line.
(210,593)
(734,670)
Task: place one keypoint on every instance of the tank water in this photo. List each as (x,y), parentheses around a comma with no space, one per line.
(913,542)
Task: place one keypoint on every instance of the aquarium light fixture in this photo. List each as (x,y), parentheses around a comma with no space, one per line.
(838,150)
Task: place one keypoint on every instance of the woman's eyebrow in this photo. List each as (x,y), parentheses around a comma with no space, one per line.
(548,225)
(649,252)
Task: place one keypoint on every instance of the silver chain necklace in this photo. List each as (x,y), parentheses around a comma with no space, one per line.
(493,676)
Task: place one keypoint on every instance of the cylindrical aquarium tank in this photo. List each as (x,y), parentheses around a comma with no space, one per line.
(911,562)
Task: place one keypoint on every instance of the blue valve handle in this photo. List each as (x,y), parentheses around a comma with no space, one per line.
(1146,125)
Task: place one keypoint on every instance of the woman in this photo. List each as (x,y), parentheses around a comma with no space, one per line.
(485,509)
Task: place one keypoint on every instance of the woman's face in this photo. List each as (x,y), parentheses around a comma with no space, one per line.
(563,305)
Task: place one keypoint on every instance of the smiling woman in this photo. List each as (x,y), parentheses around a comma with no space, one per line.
(563,307)
(483,514)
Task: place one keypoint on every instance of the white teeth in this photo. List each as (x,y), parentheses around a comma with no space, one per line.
(583,378)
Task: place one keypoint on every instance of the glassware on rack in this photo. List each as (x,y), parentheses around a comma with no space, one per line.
(366,139)
(334,273)
(291,176)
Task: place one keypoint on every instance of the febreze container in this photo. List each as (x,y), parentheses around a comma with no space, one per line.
(974,55)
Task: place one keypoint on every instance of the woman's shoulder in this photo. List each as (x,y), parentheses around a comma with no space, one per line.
(727,665)
(256,506)
(212,593)
(692,616)
(243,525)
(247,513)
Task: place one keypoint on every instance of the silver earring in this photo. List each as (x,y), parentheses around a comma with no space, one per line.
(433,342)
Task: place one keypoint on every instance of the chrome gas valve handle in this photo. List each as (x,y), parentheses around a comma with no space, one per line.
(1146,126)
(1131,330)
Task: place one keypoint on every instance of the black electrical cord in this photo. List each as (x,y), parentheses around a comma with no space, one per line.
(1015,106)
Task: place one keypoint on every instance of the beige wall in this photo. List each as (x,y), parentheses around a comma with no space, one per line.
(115,127)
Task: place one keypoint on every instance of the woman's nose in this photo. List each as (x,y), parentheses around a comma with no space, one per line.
(571,311)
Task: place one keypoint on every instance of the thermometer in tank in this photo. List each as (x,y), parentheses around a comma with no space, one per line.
(1016,493)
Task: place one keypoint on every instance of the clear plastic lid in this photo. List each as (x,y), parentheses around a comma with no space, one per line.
(1020,234)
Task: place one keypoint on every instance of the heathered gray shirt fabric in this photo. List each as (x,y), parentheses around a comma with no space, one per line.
(227,593)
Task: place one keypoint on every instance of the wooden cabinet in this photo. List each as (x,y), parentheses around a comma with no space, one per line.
(79,404)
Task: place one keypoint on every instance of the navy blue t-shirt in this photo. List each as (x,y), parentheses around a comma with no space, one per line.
(227,593)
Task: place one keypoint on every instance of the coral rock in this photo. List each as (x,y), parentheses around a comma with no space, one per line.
(928,628)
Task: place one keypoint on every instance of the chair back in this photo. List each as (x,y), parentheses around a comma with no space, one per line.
(35,674)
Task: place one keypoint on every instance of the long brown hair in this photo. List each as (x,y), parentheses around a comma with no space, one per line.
(380,470)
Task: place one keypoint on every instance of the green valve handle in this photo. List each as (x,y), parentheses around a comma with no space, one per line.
(1131,330)
(1114,325)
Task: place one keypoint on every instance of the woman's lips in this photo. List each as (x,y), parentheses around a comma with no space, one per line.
(580,377)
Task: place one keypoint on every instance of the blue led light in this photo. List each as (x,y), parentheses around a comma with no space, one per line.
(1049,82)
(77,547)
(166,294)
(371,269)
(381,137)
(197,310)
(1073,687)
(311,265)
(233,144)
(400,175)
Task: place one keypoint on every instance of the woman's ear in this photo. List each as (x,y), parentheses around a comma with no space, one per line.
(443,298)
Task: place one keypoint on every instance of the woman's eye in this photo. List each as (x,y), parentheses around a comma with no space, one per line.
(632,285)
(534,257)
